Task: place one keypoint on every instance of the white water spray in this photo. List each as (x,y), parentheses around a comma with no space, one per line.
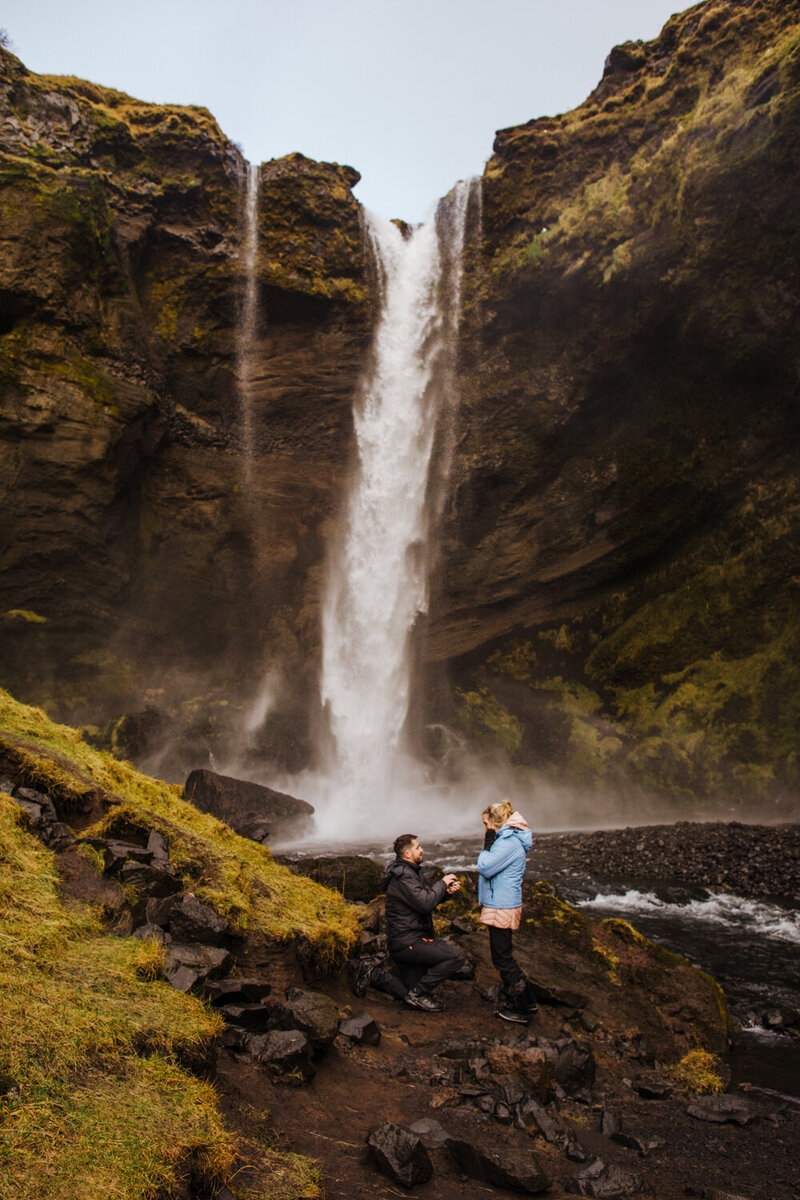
(377,582)
(248,319)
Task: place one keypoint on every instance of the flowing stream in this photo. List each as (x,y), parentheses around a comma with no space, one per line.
(377,583)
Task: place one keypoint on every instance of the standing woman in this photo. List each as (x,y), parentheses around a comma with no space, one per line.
(501,866)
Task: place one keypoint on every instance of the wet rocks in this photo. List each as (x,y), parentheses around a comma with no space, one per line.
(430,1132)
(604,1181)
(361,1028)
(251,809)
(505,1167)
(42,816)
(399,1154)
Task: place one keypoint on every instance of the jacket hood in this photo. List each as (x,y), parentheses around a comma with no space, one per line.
(397,867)
(517,821)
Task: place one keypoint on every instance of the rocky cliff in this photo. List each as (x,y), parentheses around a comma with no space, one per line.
(618,594)
(136,567)
(615,602)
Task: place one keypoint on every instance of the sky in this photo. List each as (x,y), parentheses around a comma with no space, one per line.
(410,94)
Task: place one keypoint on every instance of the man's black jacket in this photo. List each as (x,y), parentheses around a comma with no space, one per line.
(409,904)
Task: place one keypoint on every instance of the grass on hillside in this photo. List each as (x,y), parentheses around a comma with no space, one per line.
(236,876)
(93,1043)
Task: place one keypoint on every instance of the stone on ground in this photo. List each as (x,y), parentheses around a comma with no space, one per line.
(399,1154)
(506,1167)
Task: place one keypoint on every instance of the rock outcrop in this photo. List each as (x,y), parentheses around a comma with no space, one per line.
(617,595)
(138,569)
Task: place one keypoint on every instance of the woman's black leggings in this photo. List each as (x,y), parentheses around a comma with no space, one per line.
(501,946)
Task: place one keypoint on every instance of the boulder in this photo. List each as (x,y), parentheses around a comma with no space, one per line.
(192,921)
(604,1181)
(251,809)
(158,909)
(187,966)
(286,1052)
(575,1067)
(157,846)
(358,878)
(312,1012)
(505,1167)
(361,1028)
(531,1065)
(725,1107)
(399,1154)
(536,1119)
(116,853)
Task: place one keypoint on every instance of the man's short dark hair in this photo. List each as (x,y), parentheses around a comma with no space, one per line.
(402,843)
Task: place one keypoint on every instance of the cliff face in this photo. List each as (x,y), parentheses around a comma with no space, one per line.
(618,593)
(136,565)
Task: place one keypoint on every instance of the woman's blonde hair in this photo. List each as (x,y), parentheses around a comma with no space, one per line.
(498,814)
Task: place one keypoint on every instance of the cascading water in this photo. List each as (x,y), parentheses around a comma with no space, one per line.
(248,318)
(377,581)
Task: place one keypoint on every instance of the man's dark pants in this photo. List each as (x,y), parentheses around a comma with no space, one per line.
(423,965)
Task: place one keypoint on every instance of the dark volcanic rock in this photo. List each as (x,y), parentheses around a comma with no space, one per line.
(253,810)
(286,1053)
(253,1017)
(362,1028)
(356,877)
(430,1132)
(575,1067)
(506,1167)
(192,921)
(312,1012)
(188,966)
(604,1181)
(723,1108)
(399,1154)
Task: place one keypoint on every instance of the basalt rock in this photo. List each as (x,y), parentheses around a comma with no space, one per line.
(121,277)
(312,1012)
(506,1167)
(356,877)
(615,599)
(251,809)
(186,967)
(399,1154)
(192,921)
(604,1181)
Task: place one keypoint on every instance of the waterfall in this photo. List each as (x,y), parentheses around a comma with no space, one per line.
(248,319)
(377,576)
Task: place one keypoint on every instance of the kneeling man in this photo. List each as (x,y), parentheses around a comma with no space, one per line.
(423,960)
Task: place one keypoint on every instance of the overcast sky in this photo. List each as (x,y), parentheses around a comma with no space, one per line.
(408,93)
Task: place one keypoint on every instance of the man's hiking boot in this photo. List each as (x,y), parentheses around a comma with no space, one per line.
(517,1015)
(363,977)
(423,1002)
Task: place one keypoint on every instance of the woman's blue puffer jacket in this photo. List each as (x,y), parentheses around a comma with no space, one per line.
(502,867)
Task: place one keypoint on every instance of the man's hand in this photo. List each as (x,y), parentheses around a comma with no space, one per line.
(452,884)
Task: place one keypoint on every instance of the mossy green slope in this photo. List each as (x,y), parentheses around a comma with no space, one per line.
(237,876)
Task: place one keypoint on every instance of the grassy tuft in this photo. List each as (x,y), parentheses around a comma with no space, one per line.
(698,1071)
